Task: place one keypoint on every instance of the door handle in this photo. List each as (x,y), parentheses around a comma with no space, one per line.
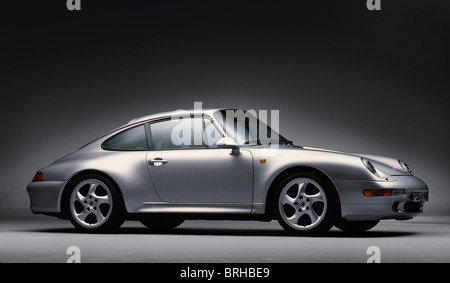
(157,161)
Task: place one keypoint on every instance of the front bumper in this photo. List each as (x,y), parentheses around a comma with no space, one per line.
(408,201)
(45,196)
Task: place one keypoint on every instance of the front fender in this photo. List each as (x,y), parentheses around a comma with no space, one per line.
(338,167)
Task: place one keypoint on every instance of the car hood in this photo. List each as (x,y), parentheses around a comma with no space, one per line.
(387,164)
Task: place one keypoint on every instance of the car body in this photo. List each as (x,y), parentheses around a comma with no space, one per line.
(165,168)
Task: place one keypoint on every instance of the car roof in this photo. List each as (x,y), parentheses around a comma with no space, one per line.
(208,111)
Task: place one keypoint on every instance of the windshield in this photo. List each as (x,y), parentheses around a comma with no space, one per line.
(246,129)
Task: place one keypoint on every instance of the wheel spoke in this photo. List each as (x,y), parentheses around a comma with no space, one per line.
(312,215)
(288,200)
(294,218)
(102,200)
(315,196)
(82,216)
(301,189)
(92,189)
(79,197)
(313,200)
(98,215)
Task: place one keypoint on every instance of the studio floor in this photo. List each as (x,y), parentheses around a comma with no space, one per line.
(45,239)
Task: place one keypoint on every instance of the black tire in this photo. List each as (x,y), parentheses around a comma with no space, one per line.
(94,204)
(356,226)
(306,205)
(161,221)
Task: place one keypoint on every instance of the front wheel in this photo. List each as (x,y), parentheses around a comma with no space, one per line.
(305,205)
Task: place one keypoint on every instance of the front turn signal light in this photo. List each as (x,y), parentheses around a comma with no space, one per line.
(377,192)
(38,177)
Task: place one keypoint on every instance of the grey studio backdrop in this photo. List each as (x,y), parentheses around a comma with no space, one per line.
(342,77)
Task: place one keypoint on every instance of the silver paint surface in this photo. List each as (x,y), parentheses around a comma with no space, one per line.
(213,181)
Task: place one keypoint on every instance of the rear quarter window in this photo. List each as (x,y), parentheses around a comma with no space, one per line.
(131,139)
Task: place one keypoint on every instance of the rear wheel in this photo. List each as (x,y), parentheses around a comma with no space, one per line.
(94,204)
(305,205)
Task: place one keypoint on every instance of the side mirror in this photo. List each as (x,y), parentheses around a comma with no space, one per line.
(227,142)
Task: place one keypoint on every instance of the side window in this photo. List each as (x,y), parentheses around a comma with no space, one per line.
(131,139)
(185,132)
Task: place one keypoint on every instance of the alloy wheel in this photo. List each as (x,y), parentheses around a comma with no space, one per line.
(302,204)
(91,203)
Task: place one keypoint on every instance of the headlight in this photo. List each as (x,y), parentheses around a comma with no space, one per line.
(375,171)
(405,166)
(370,167)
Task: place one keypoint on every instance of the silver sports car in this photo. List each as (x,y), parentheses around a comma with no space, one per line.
(221,164)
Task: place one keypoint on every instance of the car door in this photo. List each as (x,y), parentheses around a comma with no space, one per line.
(187,169)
